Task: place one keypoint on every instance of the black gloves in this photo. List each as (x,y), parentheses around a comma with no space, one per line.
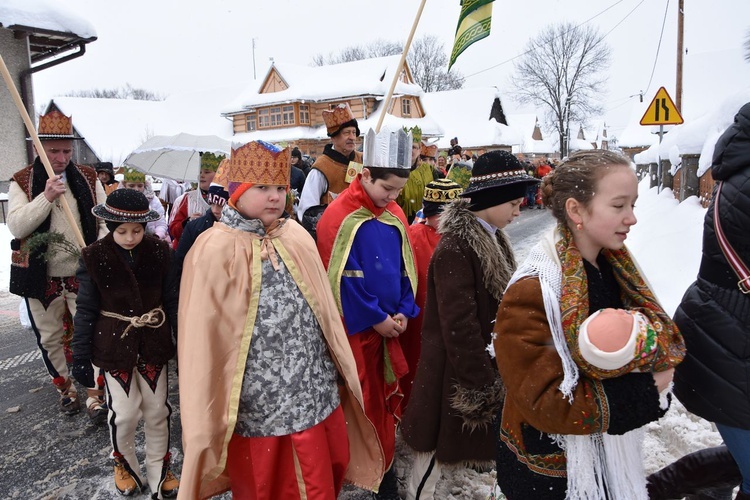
(83,372)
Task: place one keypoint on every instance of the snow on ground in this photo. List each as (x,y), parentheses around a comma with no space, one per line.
(667,244)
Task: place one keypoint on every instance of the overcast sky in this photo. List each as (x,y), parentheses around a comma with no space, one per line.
(168,46)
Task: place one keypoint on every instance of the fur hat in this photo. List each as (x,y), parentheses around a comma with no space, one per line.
(257,162)
(438,193)
(339,118)
(496,177)
(105,166)
(126,205)
(132,175)
(296,153)
(387,149)
(210,161)
(55,126)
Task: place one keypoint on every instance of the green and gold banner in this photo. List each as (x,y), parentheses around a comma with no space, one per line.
(473,24)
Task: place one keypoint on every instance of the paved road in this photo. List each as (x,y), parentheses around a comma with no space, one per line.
(46,455)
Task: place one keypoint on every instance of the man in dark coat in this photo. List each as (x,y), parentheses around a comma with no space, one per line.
(714,316)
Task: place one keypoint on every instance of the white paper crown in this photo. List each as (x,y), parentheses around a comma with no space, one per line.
(387,149)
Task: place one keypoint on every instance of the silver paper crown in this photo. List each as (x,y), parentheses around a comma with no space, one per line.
(387,149)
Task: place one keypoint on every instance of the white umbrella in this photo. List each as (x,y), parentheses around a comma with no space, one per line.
(175,157)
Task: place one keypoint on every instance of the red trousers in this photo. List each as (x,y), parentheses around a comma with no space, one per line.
(307,464)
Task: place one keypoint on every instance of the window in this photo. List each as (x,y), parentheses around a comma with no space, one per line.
(304,114)
(405,107)
(250,124)
(263,119)
(288,115)
(276,116)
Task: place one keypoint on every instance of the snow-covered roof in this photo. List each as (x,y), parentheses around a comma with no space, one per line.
(113,128)
(46,15)
(465,113)
(428,124)
(368,77)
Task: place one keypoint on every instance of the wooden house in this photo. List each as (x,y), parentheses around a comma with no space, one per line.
(286,107)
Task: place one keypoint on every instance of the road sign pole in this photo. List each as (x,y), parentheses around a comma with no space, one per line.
(658,166)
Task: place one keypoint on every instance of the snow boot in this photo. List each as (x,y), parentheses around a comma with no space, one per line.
(69,403)
(701,473)
(125,483)
(170,486)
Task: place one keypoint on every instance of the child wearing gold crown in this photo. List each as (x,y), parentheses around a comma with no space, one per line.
(193,204)
(270,400)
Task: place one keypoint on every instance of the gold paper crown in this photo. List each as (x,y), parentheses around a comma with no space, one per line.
(131,175)
(442,191)
(258,162)
(429,150)
(336,117)
(222,173)
(55,125)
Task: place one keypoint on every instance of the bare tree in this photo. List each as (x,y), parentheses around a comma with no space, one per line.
(747,46)
(427,59)
(563,70)
(126,92)
(428,62)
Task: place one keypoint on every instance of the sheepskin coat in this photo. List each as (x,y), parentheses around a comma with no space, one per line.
(457,391)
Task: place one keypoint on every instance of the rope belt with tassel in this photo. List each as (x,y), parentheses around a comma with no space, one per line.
(148,320)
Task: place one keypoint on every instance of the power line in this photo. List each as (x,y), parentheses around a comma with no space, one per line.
(656,58)
(560,35)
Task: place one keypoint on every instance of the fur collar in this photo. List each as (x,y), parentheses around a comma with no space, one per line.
(495,255)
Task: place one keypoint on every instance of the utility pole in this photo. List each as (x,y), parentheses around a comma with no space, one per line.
(680,51)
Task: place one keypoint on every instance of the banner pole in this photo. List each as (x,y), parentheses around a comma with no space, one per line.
(396,75)
(38,145)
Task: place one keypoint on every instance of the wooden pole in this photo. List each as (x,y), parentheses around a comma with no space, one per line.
(39,149)
(680,38)
(389,95)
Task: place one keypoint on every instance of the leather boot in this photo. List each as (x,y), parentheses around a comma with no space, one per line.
(695,474)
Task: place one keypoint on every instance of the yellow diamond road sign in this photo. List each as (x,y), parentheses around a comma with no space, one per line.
(662,111)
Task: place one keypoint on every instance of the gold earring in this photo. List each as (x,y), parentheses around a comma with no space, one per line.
(579,226)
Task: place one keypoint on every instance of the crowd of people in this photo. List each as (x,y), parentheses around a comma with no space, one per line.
(316,309)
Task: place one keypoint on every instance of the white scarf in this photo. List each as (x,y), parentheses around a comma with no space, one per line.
(599,465)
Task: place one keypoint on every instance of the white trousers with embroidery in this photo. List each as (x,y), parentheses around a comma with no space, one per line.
(126,410)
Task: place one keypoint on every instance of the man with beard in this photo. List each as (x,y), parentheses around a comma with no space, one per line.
(327,177)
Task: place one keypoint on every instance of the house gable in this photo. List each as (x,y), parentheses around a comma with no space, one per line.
(274,82)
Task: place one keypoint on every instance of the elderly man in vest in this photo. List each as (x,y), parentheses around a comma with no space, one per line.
(328,176)
(45,274)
